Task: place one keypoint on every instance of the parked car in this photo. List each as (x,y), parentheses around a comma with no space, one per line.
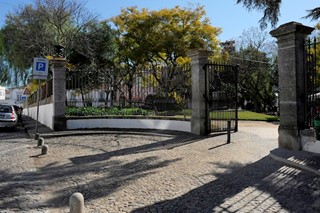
(8,117)
(18,110)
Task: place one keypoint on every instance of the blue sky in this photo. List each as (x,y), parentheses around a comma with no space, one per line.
(232,18)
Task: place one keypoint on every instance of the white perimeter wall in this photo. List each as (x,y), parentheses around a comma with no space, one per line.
(312,147)
(45,114)
(184,126)
(309,142)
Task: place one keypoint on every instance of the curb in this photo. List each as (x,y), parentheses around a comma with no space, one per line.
(293,164)
(106,131)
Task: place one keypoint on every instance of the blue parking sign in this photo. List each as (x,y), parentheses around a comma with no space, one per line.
(40,68)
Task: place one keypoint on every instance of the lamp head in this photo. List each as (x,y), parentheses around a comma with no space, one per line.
(58,50)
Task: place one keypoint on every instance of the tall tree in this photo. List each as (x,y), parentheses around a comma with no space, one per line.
(92,59)
(162,38)
(34,30)
(4,70)
(257,74)
(271,10)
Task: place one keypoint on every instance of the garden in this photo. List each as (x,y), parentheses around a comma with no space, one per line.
(182,114)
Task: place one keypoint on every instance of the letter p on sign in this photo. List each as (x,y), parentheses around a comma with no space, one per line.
(41,66)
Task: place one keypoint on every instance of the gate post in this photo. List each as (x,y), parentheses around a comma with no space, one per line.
(199,119)
(292,82)
(59,93)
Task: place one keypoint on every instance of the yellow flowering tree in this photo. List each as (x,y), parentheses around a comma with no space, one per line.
(152,40)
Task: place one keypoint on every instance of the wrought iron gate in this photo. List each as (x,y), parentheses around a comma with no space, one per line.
(312,82)
(221,97)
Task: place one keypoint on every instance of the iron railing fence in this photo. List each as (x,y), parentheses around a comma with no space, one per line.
(160,90)
(312,81)
(46,92)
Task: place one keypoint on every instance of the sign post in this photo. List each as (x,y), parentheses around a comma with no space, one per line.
(40,71)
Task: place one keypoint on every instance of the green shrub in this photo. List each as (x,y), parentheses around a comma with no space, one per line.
(161,103)
(94,111)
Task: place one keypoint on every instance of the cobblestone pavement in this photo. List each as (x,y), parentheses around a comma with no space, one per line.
(19,192)
(153,172)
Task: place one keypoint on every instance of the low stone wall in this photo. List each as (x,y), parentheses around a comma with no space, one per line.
(74,123)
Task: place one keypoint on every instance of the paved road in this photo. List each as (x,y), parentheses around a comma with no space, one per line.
(18,191)
(155,172)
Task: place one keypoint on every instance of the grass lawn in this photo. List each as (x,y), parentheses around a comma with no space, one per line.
(253,116)
(242,115)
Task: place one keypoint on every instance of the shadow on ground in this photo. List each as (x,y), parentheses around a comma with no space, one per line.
(174,142)
(262,186)
(10,133)
(108,176)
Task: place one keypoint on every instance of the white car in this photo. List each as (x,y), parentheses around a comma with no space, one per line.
(8,117)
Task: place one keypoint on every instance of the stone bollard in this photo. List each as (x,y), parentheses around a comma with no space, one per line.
(44,149)
(36,136)
(40,142)
(76,203)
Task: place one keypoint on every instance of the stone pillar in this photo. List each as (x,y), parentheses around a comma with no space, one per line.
(59,93)
(292,82)
(199,120)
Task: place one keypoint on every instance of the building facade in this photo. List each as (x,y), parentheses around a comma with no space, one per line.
(12,96)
